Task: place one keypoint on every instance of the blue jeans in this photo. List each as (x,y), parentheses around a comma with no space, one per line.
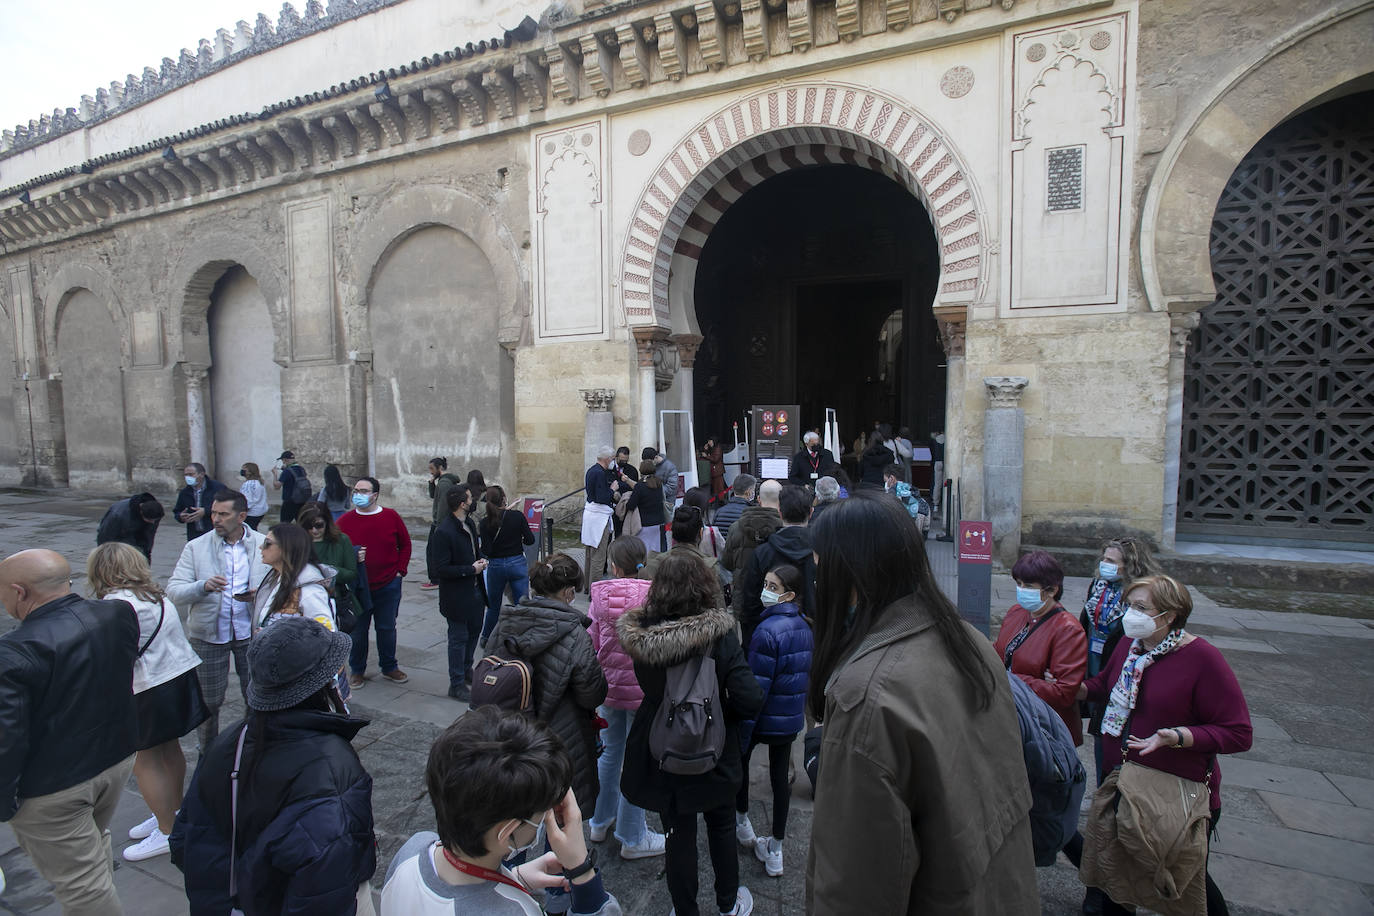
(462,644)
(629,820)
(386,601)
(503,571)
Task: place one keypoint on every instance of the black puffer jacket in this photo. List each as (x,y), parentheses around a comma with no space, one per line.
(656,646)
(791,546)
(568,682)
(66,696)
(755,525)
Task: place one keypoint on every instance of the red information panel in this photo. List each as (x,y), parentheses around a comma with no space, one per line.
(534,511)
(975,542)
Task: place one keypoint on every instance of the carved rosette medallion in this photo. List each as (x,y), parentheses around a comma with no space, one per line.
(957,82)
(638,143)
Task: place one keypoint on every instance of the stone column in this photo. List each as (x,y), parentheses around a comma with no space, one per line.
(1004,433)
(649,343)
(1180,330)
(195,413)
(687,346)
(952,332)
(599,426)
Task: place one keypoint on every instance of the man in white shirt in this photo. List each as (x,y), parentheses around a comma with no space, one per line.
(213,584)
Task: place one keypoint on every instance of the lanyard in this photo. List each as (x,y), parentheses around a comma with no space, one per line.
(477,871)
(815,460)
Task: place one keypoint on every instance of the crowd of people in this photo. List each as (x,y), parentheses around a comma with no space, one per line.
(942,762)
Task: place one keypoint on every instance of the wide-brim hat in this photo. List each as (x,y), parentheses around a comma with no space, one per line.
(290,660)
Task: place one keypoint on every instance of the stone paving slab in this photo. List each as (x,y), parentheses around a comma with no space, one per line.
(1309,852)
(1343,821)
(1239,644)
(1281,890)
(1272,777)
(1359,790)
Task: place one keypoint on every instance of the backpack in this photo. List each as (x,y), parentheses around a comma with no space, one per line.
(301,490)
(687,735)
(505,681)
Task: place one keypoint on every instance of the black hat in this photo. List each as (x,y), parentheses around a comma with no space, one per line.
(287,454)
(649,453)
(290,660)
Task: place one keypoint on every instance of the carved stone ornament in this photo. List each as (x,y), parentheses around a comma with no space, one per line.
(1181,327)
(952,338)
(957,82)
(687,346)
(598,399)
(1005,390)
(638,143)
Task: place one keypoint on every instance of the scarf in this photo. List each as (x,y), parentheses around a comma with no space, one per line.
(1127,687)
(1104,606)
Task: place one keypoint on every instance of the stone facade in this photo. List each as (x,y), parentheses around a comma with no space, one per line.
(439,257)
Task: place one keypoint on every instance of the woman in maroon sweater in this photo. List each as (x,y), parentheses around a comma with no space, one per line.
(1170,697)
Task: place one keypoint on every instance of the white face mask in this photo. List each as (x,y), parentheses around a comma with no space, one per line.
(538,840)
(1137,624)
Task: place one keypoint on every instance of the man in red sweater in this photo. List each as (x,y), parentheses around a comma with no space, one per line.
(384,547)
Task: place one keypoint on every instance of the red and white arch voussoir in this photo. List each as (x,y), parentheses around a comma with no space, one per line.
(751,139)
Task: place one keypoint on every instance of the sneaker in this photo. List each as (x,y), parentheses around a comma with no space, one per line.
(769,851)
(154,844)
(427,586)
(598,834)
(356,682)
(744,831)
(654,845)
(144,829)
(396,677)
(461,694)
(744,903)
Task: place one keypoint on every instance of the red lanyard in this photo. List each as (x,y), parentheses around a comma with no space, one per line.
(815,460)
(477,871)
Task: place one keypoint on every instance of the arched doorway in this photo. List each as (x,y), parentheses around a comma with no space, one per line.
(9,432)
(441,383)
(245,380)
(88,352)
(1278,434)
(814,288)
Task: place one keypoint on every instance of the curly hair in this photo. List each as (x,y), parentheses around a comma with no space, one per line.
(682,586)
(1137,561)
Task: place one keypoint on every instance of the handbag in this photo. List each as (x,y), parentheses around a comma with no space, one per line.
(631,525)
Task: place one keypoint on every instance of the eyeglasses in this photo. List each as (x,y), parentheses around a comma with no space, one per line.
(1144,609)
(267,543)
(362,492)
(318,526)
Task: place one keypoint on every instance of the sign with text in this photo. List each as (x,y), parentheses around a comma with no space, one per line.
(533,507)
(974,549)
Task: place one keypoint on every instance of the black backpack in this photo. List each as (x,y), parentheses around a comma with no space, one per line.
(301,490)
(503,680)
(687,736)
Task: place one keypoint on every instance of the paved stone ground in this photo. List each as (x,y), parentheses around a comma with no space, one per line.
(1297,836)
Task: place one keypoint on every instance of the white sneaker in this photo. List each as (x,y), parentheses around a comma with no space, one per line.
(655,844)
(598,834)
(144,829)
(744,831)
(769,851)
(744,903)
(154,844)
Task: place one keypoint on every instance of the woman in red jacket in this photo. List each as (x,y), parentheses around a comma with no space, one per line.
(1040,643)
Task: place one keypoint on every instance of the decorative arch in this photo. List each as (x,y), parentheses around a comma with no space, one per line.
(58,292)
(859,125)
(434,205)
(198,270)
(1312,60)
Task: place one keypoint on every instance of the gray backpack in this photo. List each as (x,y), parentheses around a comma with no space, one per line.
(687,736)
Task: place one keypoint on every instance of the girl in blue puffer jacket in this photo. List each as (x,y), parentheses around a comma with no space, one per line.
(780,655)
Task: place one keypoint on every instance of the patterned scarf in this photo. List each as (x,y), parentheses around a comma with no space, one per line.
(1127,686)
(1112,606)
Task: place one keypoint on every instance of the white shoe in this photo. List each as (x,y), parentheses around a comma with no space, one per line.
(769,851)
(655,844)
(744,831)
(154,844)
(744,903)
(144,829)
(598,834)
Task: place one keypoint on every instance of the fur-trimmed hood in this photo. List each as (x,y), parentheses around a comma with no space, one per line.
(666,642)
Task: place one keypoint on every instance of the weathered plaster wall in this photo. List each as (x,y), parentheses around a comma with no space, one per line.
(93,391)
(245,381)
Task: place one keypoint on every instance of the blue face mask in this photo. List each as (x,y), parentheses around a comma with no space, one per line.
(1029,598)
(361,500)
(1109,571)
(190,481)
(769,597)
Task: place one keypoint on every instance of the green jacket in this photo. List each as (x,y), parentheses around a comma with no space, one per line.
(442,485)
(340,555)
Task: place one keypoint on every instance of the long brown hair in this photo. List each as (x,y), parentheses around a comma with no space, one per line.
(496,507)
(297,552)
(682,586)
(115,565)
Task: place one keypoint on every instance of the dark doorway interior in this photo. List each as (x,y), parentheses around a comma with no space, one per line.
(815,289)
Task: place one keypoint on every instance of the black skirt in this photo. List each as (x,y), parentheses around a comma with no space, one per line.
(170,710)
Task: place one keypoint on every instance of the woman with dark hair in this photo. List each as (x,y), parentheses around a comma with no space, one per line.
(682,619)
(687,531)
(278,817)
(903,811)
(712,541)
(334,494)
(505,534)
(1042,644)
(295,584)
(873,461)
(477,484)
(332,549)
(647,497)
(454,560)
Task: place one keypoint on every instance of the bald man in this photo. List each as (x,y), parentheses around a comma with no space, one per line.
(68,723)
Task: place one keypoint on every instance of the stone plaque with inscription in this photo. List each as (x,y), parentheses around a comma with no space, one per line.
(1064,178)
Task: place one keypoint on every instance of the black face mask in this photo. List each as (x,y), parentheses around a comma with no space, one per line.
(242,472)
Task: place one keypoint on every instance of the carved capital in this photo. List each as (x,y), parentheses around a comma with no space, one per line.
(1005,390)
(1181,327)
(195,374)
(649,343)
(687,347)
(598,399)
(952,336)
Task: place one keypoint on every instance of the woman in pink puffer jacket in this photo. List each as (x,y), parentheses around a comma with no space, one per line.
(609,599)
